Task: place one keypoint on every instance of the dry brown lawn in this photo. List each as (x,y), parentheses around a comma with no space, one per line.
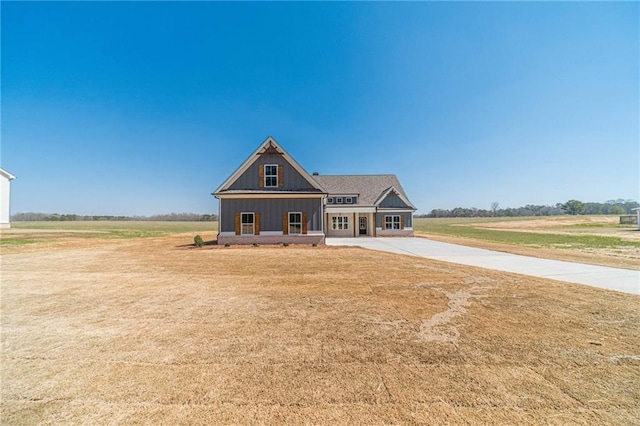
(153,331)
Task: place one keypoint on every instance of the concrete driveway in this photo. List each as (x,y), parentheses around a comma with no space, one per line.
(624,280)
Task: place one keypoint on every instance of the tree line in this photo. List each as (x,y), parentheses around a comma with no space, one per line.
(572,207)
(171,217)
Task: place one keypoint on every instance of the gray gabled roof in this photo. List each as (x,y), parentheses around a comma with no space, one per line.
(268,144)
(369,188)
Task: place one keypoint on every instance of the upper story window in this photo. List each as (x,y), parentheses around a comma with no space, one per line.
(271,176)
(330,200)
(339,200)
(348,200)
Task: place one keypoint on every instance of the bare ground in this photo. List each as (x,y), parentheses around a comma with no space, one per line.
(153,331)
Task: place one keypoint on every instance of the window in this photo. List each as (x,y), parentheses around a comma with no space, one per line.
(271,176)
(392,222)
(339,200)
(349,200)
(295,223)
(330,200)
(246,224)
(340,222)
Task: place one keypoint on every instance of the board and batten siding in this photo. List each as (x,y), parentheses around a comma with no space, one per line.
(407,218)
(271,210)
(392,200)
(250,179)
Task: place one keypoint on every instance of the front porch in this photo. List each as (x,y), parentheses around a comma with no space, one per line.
(350,224)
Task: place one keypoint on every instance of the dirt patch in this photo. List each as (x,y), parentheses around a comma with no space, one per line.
(154,331)
(550,222)
(438,328)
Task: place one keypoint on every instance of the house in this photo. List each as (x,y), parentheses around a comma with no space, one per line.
(5,198)
(271,199)
(366,205)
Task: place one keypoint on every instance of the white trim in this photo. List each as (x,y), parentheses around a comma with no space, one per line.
(340,220)
(266,234)
(349,209)
(253,224)
(289,223)
(264,178)
(398,193)
(393,222)
(271,233)
(6,174)
(220,218)
(393,210)
(271,194)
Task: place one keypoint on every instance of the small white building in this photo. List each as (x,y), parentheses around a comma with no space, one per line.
(637,210)
(5,198)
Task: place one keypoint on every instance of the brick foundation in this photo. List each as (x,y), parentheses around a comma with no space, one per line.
(272,239)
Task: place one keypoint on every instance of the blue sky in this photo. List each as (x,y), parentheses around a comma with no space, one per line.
(139,108)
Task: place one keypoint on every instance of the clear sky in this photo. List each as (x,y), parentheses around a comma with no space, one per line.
(140,108)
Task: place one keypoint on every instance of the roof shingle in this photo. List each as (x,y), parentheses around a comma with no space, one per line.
(367,187)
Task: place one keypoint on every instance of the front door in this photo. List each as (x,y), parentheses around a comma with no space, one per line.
(363,226)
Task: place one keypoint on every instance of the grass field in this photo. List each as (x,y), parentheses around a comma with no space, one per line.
(52,234)
(588,239)
(114,330)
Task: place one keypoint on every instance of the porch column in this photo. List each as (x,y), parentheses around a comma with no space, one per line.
(373,219)
(356,226)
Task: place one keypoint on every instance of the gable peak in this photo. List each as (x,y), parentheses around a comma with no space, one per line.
(270,148)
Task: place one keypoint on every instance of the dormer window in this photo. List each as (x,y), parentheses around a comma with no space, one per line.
(339,200)
(349,200)
(330,200)
(271,176)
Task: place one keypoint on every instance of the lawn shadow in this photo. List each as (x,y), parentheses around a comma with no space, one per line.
(193,245)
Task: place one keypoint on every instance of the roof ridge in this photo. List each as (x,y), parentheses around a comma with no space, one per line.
(369,174)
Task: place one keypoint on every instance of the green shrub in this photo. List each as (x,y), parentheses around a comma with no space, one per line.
(315,244)
(198,241)
(227,245)
(285,244)
(256,244)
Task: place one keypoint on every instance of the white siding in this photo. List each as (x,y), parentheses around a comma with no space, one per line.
(5,195)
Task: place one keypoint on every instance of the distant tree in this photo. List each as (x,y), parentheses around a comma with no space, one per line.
(573,207)
(494,208)
(617,210)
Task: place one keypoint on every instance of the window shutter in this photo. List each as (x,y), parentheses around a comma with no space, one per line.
(261,176)
(256,225)
(383,222)
(237,223)
(285,223)
(280,176)
(304,222)
(401,221)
